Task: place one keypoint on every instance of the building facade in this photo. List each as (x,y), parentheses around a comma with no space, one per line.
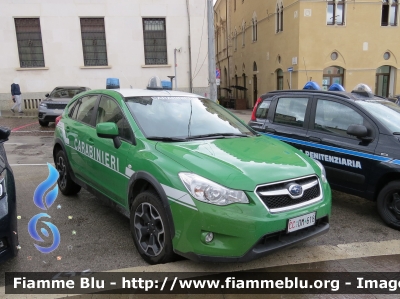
(283,44)
(76,42)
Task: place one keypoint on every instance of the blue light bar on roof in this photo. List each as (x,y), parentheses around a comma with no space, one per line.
(311,85)
(336,87)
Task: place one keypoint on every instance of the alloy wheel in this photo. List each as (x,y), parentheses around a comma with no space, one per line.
(149,229)
(62,170)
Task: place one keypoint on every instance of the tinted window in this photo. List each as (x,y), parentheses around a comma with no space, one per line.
(262,109)
(335,118)
(183,117)
(109,111)
(85,110)
(291,111)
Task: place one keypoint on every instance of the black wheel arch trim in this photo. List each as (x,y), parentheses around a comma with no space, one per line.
(159,189)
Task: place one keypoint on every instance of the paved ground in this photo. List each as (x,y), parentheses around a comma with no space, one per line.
(357,241)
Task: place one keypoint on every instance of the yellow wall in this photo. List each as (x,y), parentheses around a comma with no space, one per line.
(308,37)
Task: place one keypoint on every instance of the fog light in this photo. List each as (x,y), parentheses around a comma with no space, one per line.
(209,237)
(1,244)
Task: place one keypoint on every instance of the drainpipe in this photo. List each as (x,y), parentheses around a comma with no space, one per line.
(190,49)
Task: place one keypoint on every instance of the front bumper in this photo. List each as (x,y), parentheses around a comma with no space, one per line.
(268,244)
(49,115)
(8,233)
(243,232)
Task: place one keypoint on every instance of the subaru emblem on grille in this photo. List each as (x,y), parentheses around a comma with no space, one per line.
(295,190)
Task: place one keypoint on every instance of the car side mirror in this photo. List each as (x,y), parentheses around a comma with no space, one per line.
(4,134)
(46,95)
(109,130)
(359,131)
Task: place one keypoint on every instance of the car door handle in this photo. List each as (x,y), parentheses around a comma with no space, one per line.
(315,139)
(269,130)
(90,141)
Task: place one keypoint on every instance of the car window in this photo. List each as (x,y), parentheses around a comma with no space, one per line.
(66,92)
(263,108)
(85,110)
(73,109)
(335,118)
(109,111)
(291,111)
(183,117)
(386,112)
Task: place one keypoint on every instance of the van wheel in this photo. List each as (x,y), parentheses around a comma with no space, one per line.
(388,203)
(150,230)
(43,123)
(65,183)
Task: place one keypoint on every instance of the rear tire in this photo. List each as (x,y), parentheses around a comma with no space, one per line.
(150,229)
(65,183)
(43,123)
(388,203)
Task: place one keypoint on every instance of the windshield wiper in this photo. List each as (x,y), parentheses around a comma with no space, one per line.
(167,139)
(218,135)
(396,133)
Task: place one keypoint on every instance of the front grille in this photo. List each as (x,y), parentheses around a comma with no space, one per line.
(56,106)
(277,197)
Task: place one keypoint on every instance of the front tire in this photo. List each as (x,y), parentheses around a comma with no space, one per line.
(65,183)
(388,203)
(43,123)
(150,229)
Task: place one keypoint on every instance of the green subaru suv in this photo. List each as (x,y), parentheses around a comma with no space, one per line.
(192,177)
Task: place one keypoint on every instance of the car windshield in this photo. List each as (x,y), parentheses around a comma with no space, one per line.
(181,118)
(66,92)
(386,112)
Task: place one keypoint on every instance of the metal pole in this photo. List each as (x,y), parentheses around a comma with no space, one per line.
(211,52)
(290,85)
(176,78)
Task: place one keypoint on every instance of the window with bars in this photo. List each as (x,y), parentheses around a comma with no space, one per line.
(335,12)
(94,42)
(155,41)
(29,40)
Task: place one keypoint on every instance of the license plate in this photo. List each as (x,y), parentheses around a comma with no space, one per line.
(57,110)
(301,222)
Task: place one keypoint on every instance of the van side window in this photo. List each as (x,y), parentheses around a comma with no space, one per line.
(335,118)
(291,111)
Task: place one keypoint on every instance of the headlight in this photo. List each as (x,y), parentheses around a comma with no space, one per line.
(323,173)
(210,192)
(43,105)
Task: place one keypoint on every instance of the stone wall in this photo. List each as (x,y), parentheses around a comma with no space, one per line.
(6,99)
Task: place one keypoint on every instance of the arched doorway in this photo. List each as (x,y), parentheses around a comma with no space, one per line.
(384,82)
(279,79)
(332,74)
